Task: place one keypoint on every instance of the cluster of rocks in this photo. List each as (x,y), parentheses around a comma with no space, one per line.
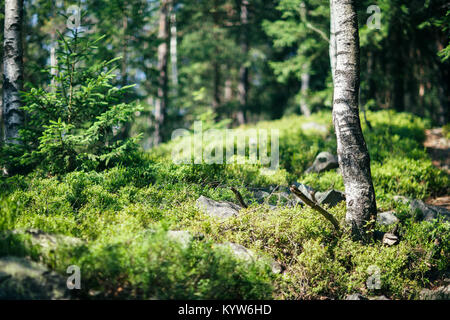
(284,197)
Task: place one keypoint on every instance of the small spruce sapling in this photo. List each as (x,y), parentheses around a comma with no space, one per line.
(73,123)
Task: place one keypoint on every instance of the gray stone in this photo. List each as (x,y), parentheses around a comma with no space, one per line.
(22,279)
(390,239)
(355,296)
(276,267)
(218,209)
(184,238)
(330,197)
(46,241)
(323,162)
(440,293)
(261,195)
(248,255)
(428,212)
(238,251)
(386,218)
(306,190)
(424,211)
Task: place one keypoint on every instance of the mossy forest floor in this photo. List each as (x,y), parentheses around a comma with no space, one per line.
(120,222)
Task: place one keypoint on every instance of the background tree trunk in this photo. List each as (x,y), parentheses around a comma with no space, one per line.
(173,50)
(354,160)
(12,70)
(304,108)
(163,53)
(243,71)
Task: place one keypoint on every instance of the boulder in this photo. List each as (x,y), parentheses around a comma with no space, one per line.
(22,279)
(386,218)
(330,197)
(217,209)
(323,162)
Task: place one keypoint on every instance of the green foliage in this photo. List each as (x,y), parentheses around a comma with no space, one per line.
(302,36)
(75,122)
(123,215)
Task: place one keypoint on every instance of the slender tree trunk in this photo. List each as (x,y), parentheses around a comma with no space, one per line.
(243,86)
(163,54)
(216,90)
(53,47)
(228,91)
(12,70)
(173,49)
(53,59)
(354,160)
(123,69)
(216,64)
(303,93)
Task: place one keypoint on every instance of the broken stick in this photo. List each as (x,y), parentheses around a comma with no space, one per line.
(315,206)
(239,197)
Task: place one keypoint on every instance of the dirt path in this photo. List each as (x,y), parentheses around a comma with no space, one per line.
(438,148)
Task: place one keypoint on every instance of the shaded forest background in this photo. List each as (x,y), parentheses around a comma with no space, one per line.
(249,60)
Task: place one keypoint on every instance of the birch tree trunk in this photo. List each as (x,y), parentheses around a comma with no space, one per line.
(163,54)
(12,70)
(354,160)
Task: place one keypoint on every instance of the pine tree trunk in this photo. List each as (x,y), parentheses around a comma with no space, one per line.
(12,70)
(163,54)
(354,160)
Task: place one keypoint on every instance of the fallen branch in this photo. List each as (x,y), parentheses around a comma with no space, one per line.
(239,197)
(315,206)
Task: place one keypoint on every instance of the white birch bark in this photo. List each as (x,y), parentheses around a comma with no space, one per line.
(354,160)
(12,70)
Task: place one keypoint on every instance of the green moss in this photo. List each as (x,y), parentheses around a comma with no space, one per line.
(123,215)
